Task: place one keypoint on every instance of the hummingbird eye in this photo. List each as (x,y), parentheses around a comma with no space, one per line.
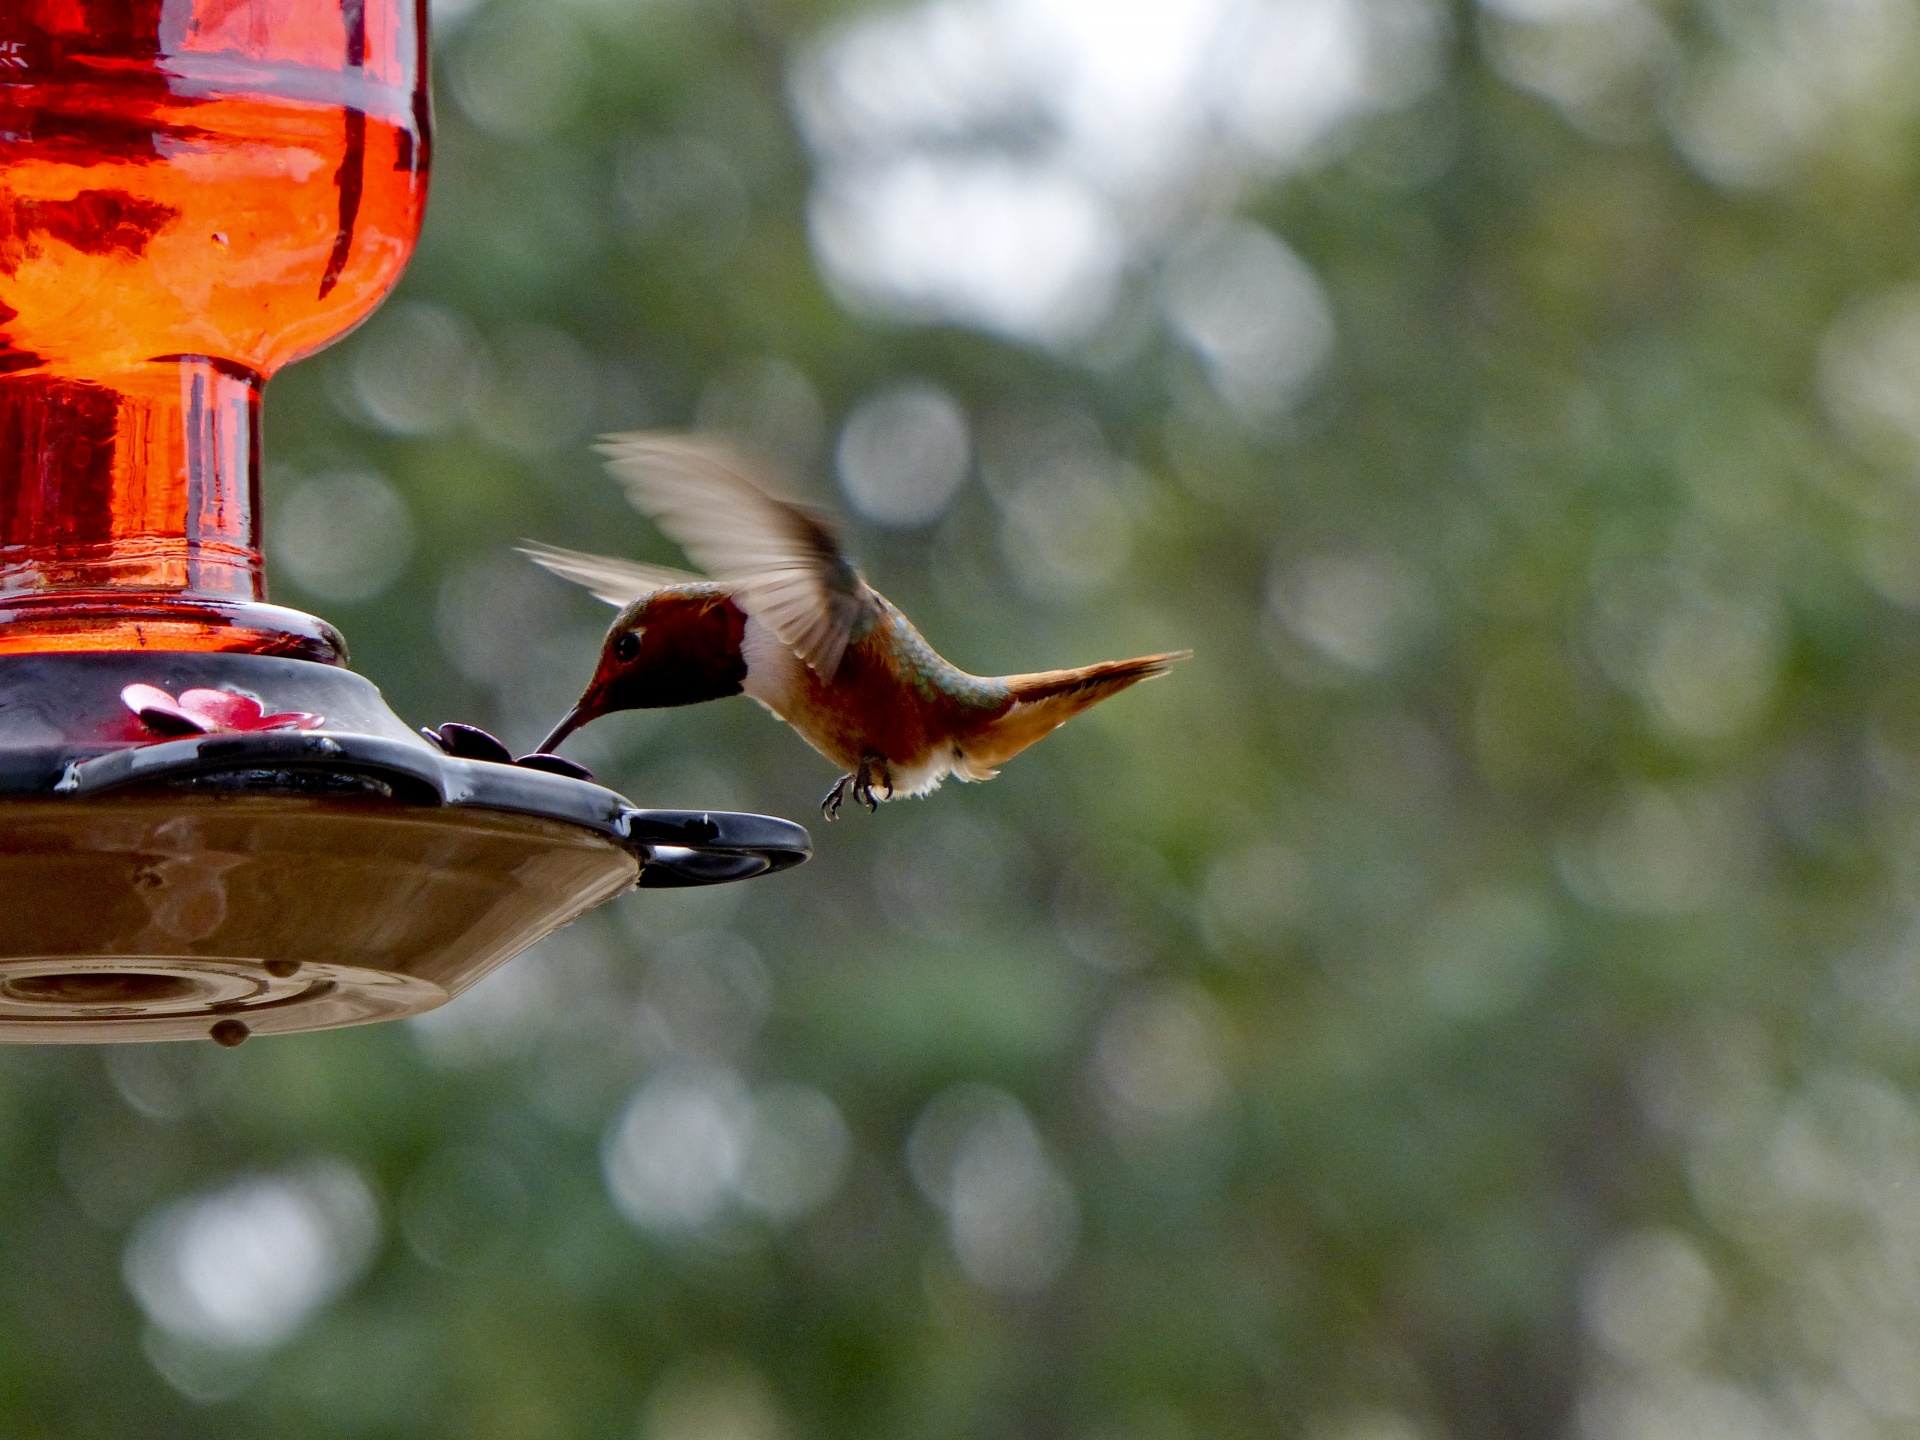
(627,648)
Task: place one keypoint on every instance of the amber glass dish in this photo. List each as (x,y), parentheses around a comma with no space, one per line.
(192,194)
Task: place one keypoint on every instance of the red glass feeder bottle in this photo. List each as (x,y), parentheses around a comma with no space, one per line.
(208,826)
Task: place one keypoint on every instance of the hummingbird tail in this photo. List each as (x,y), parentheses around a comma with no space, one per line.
(1096,682)
(1045,701)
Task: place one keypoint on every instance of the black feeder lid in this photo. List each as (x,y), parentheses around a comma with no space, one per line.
(275,880)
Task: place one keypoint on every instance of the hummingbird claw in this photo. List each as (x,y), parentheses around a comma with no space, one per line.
(860,786)
(863,787)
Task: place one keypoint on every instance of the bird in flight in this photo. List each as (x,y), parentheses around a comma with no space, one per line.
(783,616)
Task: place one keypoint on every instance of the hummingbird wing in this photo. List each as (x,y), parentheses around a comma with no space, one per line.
(783,561)
(618,582)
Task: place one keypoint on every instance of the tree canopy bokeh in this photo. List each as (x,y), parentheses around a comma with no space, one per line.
(1477,996)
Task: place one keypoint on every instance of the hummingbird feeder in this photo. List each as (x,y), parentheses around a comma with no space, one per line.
(208,825)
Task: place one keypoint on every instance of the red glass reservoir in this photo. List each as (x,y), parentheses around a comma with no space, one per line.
(192,194)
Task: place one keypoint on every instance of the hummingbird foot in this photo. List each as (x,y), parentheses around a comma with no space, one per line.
(872,769)
(859,785)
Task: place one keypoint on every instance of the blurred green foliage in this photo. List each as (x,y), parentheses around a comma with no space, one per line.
(1477,996)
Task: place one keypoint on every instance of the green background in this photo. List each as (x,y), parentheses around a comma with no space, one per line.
(1477,996)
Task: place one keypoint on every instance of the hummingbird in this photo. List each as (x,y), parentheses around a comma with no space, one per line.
(784,617)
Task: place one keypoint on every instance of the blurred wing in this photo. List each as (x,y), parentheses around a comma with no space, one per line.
(618,582)
(783,561)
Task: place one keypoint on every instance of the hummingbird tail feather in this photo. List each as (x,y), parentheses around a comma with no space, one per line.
(1045,701)
(1109,677)
(618,582)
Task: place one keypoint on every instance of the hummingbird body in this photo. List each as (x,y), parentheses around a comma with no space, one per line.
(789,622)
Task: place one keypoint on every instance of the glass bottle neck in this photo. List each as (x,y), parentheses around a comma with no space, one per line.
(138,492)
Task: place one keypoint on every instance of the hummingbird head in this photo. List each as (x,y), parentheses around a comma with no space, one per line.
(672,647)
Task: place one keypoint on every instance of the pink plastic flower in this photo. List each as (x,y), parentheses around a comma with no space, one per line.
(203,712)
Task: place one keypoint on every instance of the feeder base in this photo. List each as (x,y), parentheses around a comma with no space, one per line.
(162,916)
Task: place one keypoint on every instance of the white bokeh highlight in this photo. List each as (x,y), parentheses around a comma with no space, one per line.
(1003,163)
(903,454)
(1159,1058)
(1251,310)
(695,1145)
(677,1150)
(1360,611)
(711,1399)
(496,1019)
(991,242)
(245,1267)
(343,536)
(416,369)
(797,1150)
(1012,1218)
(1870,375)
(1650,1299)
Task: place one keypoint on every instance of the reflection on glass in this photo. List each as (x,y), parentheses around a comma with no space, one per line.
(204,192)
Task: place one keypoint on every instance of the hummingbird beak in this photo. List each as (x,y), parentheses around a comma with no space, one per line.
(569,723)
